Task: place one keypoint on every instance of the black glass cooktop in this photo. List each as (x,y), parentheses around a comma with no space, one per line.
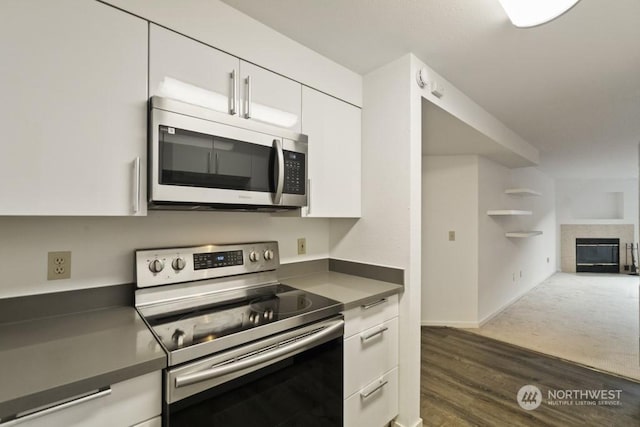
(251,309)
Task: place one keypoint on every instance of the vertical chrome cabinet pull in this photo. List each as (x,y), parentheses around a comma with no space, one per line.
(277,145)
(20,418)
(373,304)
(136,184)
(378,387)
(247,110)
(308,196)
(234,95)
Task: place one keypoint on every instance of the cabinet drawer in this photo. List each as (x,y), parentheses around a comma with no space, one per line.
(369,354)
(129,402)
(368,315)
(374,405)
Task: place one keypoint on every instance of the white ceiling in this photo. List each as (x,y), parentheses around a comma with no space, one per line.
(570,87)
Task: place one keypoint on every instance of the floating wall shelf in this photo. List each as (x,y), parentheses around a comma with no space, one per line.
(522,234)
(503,212)
(522,192)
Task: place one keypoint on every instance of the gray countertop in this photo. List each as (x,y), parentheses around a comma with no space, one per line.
(351,291)
(49,359)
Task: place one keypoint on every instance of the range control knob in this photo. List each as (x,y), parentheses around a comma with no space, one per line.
(178,337)
(156,266)
(254,256)
(178,264)
(268,254)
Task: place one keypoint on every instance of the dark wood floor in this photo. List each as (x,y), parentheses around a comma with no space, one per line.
(469,380)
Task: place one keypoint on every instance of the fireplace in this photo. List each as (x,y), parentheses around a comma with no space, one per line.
(597,255)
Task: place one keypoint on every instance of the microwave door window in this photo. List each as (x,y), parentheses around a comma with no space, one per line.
(242,165)
(186,157)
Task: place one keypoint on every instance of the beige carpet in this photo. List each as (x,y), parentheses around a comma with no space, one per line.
(591,319)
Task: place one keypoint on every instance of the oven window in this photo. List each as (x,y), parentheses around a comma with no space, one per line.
(198,160)
(303,390)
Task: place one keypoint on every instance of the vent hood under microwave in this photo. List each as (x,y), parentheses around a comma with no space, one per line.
(204,159)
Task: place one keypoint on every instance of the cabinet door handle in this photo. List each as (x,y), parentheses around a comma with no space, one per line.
(308,196)
(232,98)
(367,337)
(247,110)
(364,395)
(30,415)
(136,185)
(373,304)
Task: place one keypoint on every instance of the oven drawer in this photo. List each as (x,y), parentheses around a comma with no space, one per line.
(368,315)
(370,354)
(375,404)
(122,404)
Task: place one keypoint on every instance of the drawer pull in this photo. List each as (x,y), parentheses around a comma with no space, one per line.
(37,413)
(364,395)
(373,304)
(367,337)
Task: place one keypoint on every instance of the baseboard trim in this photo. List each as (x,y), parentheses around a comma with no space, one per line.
(504,306)
(451,323)
(415,424)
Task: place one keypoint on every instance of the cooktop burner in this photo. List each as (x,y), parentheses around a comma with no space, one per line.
(261,306)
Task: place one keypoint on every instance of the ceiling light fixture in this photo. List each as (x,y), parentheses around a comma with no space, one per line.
(530,13)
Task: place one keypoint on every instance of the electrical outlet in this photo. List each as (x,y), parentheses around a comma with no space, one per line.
(452,236)
(302,246)
(58,265)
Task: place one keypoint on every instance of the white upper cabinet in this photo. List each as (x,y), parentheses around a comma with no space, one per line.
(270,98)
(334,130)
(182,68)
(73,115)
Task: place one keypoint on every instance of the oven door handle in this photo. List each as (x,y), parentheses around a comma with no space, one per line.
(300,344)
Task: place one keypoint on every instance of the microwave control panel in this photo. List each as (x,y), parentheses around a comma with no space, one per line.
(294,172)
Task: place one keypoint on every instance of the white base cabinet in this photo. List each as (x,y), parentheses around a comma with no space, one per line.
(335,171)
(371,363)
(73,114)
(134,402)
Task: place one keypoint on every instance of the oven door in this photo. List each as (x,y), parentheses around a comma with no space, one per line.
(197,161)
(291,379)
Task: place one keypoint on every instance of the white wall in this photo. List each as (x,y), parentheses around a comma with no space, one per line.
(573,194)
(221,26)
(510,267)
(450,268)
(468,281)
(388,234)
(102,247)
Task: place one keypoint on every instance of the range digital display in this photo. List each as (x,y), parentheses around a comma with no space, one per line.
(207,260)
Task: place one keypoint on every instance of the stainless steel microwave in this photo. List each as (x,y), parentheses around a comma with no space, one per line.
(203,159)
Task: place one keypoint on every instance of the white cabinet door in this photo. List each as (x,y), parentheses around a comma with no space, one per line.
(334,130)
(374,405)
(270,98)
(369,354)
(182,68)
(73,112)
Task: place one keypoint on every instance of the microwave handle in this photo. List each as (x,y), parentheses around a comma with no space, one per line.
(279,171)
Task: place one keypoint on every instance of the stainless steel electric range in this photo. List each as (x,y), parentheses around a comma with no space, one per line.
(242,348)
